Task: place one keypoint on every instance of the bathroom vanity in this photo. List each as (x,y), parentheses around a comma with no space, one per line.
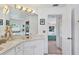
(23,46)
(23,24)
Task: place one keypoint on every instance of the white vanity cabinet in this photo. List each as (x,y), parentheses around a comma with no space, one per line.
(35,47)
(31,47)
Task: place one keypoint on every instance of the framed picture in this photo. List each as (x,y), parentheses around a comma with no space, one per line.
(7,22)
(51,28)
(42,21)
(1,21)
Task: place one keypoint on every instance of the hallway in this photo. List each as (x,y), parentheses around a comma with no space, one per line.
(52,48)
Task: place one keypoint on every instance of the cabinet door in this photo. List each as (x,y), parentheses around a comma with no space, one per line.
(10,52)
(29,48)
(19,49)
(39,47)
(19,52)
(35,47)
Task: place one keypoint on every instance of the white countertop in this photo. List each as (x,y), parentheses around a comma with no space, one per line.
(10,44)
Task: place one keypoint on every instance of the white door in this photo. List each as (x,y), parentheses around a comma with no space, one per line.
(76,31)
(66,32)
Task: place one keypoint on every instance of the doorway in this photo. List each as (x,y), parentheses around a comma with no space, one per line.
(54,34)
(73,31)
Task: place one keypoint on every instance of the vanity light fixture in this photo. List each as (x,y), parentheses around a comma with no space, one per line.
(5,10)
(29,10)
(18,7)
(24,9)
(33,11)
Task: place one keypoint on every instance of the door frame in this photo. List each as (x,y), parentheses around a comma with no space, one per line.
(56,24)
(59,30)
(73,31)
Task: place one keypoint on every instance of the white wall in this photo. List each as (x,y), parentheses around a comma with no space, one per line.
(43,13)
(66,25)
(33,24)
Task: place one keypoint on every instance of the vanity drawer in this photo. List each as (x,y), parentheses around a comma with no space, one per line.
(9,52)
(19,47)
(29,43)
(29,50)
(19,52)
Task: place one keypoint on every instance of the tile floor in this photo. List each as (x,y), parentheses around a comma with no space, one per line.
(53,49)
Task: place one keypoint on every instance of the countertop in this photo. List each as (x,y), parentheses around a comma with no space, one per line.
(17,40)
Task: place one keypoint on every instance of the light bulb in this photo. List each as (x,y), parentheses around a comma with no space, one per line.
(33,11)
(24,9)
(18,7)
(29,10)
(5,9)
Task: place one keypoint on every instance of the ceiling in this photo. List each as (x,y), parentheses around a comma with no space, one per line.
(38,5)
(42,5)
(35,5)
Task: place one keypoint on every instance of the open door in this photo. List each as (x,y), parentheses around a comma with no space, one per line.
(54,34)
(66,33)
